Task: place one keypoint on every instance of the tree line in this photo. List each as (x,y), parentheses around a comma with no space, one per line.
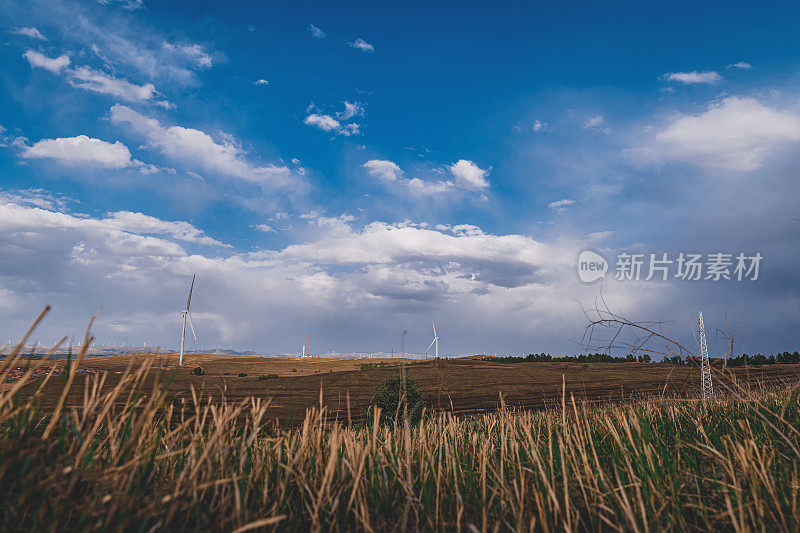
(782,358)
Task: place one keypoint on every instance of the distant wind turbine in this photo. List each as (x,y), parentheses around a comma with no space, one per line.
(185,313)
(434,341)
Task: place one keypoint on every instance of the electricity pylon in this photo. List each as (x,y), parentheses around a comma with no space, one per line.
(705,366)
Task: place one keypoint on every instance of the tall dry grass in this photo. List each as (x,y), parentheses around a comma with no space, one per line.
(129,458)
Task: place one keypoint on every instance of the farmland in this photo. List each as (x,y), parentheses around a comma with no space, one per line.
(466,386)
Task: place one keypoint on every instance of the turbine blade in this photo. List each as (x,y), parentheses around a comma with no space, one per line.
(189,317)
(189,301)
(434,328)
(429,347)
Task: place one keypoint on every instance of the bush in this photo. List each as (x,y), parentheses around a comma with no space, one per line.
(387,397)
(267,376)
(198,371)
(242,375)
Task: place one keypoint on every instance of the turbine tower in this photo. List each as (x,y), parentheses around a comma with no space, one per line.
(705,366)
(185,313)
(434,341)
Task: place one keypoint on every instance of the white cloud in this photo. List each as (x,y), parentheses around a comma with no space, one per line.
(29,31)
(361,44)
(593,122)
(469,175)
(35,197)
(338,124)
(539,126)
(323,122)
(350,129)
(265,228)
(733,134)
(54,64)
(195,53)
(383,169)
(102,83)
(351,109)
(147,225)
(741,65)
(262,81)
(316,32)
(95,80)
(136,45)
(130,5)
(476,285)
(419,187)
(195,147)
(82,150)
(559,205)
(694,77)
(598,236)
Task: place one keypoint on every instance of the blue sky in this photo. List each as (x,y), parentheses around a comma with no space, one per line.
(367,168)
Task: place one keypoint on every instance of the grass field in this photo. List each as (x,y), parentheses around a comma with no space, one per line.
(136,444)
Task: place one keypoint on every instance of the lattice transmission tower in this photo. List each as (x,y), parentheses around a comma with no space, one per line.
(705,365)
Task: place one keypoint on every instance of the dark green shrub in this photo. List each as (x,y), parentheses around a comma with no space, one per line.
(198,371)
(387,397)
(242,375)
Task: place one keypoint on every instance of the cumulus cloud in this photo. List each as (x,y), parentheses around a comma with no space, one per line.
(694,77)
(339,124)
(82,150)
(53,64)
(741,65)
(469,175)
(539,126)
(478,286)
(262,81)
(732,134)
(361,44)
(196,148)
(323,122)
(316,32)
(383,169)
(29,31)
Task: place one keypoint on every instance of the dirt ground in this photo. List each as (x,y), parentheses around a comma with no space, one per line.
(466,385)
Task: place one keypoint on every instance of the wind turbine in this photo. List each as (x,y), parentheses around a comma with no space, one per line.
(434,341)
(185,313)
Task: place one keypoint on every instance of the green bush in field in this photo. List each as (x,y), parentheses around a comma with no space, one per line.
(388,396)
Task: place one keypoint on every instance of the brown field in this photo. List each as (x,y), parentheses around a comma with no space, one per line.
(466,385)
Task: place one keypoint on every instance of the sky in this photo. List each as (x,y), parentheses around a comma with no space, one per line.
(365,169)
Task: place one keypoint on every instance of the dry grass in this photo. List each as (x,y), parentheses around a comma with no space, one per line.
(128,459)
